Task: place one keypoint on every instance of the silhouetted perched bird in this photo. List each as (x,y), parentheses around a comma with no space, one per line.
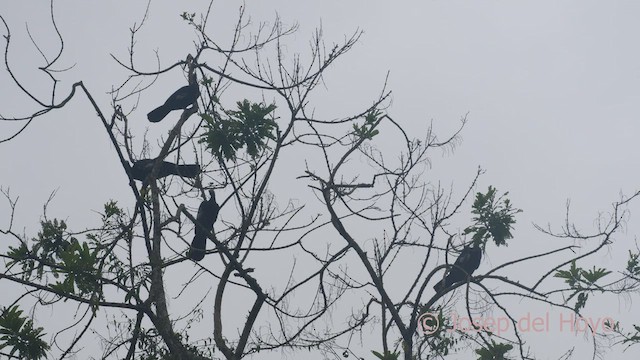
(207,215)
(142,168)
(180,99)
(466,263)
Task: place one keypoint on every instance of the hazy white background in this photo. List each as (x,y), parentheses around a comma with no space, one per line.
(551,90)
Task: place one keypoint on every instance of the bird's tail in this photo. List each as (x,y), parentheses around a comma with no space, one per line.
(158,114)
(198,247)
(440,285)
(188,171)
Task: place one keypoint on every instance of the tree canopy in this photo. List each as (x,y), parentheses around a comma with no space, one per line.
(325,234)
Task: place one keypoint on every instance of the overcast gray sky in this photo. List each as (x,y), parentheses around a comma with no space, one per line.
(550,89)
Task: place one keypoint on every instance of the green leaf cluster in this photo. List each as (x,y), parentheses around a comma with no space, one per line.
(582,281)
(368,129)
(18,333)
(57,253)
(387,355)
(442,341)
(577,277)
(111,209)
(48,248)
(77,265)
(189,17)
(494,218)
(494,351)
(633,265)
(249,127)
(633,338)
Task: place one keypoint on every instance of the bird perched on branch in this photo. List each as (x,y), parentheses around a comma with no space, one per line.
(466,263)
(142,168)
(180,99)
(207,215)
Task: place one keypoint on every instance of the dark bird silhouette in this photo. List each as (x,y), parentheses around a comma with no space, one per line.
(142,168)
(466,263)
(180,99)
(207,215)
